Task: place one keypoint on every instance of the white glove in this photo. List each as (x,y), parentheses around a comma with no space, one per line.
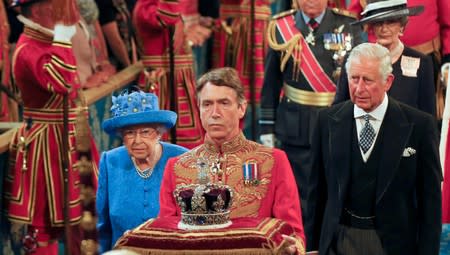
(63,33)
(268,140)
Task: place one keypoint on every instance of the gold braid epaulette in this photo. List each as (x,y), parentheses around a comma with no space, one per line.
(285,13)
(345,13)
(290,48)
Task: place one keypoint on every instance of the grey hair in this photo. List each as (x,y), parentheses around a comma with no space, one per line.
(88,10)
(371,51)
(161,129)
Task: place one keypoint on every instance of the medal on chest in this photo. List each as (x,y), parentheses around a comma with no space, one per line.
(250,173)
(310,39)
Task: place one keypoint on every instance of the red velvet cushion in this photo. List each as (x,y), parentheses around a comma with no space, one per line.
(244,236)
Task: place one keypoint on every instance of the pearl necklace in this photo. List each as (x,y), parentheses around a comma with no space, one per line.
(142,173)
(156,155)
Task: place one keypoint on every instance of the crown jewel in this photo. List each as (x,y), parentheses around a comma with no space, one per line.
(204,205)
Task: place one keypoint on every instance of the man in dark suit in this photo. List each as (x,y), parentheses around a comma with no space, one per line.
(300,66)
(376,173)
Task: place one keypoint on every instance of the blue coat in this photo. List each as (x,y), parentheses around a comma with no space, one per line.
(124,199)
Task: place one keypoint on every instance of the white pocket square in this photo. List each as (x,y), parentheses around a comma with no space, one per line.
(408,152)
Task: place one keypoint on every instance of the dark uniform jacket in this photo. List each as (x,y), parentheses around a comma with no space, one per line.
(291,122)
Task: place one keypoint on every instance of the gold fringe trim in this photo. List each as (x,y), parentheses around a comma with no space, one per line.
(248,251)
(290,48)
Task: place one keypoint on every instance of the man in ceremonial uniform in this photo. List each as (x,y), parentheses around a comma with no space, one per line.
(267,190)
(44,68)
(153,20)
(303,62)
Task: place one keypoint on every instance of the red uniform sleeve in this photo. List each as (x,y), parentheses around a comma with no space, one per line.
(444,21)
(286,201)
(355,7)
(168,206)
(156,14)
(54,69)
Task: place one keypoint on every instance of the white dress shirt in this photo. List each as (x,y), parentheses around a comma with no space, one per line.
(376,118)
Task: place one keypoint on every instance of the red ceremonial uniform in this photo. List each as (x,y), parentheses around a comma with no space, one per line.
(274,196)
(232,43)
(4,62)
(427,32)
(151,19)
(44,71)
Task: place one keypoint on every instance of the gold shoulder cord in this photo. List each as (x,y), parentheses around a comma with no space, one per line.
(290,48)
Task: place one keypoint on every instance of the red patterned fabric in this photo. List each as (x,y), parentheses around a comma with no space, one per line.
(151,19)
(234,49)
(44,71)
(4,62)
(275,196)
(446,184)
(244,236)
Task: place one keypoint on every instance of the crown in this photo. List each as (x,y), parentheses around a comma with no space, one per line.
(205,205)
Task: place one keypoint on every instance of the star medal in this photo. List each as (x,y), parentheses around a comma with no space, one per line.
(310,39)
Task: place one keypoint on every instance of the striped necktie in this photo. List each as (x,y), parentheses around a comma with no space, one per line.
(313,25)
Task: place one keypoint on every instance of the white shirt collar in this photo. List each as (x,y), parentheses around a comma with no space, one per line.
(378,113)
(318,18)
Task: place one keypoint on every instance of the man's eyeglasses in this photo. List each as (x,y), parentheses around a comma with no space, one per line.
(143,132)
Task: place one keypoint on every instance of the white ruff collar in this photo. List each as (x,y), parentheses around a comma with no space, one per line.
(31,24)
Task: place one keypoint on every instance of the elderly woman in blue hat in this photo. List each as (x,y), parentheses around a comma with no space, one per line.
(130,175)
(413,71)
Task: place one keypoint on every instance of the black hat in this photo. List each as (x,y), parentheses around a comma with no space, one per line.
(382,10)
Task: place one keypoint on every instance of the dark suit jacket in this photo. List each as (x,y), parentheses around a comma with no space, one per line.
(408,194)
(418,92)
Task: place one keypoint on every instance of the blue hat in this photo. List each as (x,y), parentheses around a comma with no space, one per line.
(129,109)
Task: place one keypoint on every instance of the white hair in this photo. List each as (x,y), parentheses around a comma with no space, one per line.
(371,51)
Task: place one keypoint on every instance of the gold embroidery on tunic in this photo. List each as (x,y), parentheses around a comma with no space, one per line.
(232,155)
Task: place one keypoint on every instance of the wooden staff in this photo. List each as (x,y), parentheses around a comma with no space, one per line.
(252,64)
(173,87)
(66,12)
(65,162)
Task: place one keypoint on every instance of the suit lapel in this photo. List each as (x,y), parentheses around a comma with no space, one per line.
(395,131)
(340,124)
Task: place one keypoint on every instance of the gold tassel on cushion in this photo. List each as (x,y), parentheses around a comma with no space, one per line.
(290,48)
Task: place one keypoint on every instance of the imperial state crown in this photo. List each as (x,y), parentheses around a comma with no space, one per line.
(204,205)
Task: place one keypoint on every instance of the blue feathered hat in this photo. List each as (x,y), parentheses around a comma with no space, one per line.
(129,109)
